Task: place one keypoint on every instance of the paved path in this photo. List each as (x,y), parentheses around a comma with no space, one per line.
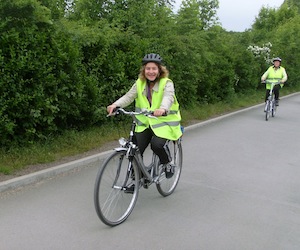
(239,190)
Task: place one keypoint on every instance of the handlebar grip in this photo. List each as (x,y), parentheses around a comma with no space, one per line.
(116,109)
(164,114)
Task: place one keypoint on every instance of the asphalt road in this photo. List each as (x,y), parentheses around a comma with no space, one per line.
(239,190)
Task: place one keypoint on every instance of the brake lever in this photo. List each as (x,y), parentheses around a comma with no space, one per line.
(150,115)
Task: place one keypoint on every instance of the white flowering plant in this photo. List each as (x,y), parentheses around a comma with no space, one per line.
(262,52)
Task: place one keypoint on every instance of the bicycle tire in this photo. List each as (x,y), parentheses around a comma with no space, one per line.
(112,200)
(167,186)
(267,114)
(274,109)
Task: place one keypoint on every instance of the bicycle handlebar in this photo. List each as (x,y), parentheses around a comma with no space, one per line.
(119,110)
(268,82)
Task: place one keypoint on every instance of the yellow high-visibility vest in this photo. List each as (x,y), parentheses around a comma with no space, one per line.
(274,75)
(167,127)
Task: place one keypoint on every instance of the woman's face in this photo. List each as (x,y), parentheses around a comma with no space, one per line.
(276,64)
(151,71)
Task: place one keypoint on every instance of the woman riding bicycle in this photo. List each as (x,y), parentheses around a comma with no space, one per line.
(274,74)
(154,91)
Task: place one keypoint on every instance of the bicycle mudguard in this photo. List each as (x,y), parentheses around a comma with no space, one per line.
(120,149)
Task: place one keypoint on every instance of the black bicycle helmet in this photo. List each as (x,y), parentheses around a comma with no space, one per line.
(277,59)
(152,58)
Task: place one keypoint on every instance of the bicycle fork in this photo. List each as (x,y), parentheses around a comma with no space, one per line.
(123,183)
(268,106)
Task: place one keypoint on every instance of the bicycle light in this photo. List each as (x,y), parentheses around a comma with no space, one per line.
(122,142)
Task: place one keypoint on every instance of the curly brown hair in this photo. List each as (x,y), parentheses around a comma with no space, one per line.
(163,72)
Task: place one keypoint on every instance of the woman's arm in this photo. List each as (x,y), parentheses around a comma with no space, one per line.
(125,100)
(168,96)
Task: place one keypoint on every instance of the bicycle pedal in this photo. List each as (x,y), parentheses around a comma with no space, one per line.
(156,179)
(129,190)
(146,184)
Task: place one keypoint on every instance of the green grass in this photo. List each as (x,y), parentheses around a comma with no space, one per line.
(71,143)
(206,111)
(75,142)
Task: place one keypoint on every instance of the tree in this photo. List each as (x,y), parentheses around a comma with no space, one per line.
(269,19)
(198,14)
(58,8)
(287,47)
(293,4)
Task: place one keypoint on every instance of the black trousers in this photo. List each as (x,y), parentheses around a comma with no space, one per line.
(276,92)
(158,145)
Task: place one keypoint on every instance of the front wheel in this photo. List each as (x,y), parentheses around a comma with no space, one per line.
(267,110)
(167,186)
(274,109)
(116,189)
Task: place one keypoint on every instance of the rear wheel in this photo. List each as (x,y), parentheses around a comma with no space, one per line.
(116,189)
(167,186)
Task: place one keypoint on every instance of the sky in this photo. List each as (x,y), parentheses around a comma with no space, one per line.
(239,15)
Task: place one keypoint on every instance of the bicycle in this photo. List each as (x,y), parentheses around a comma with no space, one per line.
(124,172)
(270,106)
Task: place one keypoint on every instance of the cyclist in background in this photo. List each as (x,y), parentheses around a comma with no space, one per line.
(275,73)
(154,91)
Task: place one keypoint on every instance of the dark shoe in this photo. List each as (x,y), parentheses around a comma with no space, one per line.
(276,102)
(169,170)
(129,190)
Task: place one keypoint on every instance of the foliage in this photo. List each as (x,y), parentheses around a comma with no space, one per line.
(62,62)
(44,87)
(198,14)
(287,37)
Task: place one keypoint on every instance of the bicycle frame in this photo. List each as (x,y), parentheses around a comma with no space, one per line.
(270,106)
(132,150)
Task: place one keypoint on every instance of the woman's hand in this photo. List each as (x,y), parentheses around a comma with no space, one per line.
(110,108)
(159,112)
